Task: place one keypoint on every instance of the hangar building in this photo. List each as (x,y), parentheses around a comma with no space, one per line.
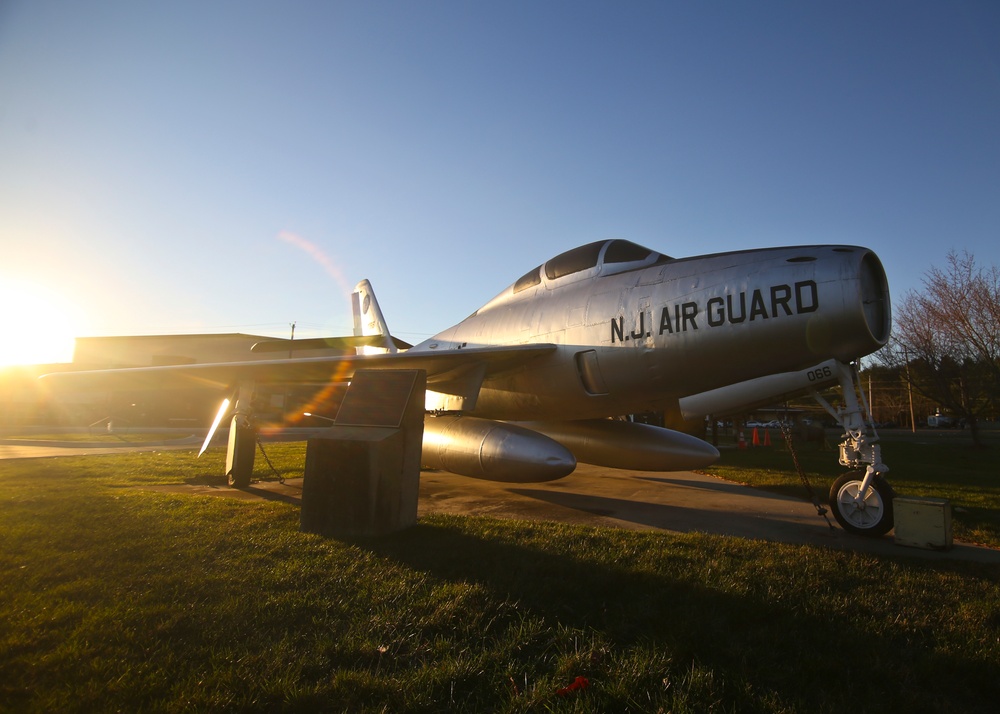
(24,402)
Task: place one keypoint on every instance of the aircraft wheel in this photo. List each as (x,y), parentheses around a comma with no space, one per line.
(868,516)
(241,454)
(239,480)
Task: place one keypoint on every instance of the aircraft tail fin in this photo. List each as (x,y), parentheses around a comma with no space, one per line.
(368,320)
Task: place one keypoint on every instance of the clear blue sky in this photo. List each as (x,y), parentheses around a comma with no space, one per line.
(180,167)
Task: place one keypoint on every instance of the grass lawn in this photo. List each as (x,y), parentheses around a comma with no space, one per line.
(113,598)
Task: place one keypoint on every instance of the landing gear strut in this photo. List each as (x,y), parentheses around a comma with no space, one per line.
(861,500)
(242,441)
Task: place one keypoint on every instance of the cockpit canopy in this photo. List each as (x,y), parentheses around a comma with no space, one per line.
(605,257)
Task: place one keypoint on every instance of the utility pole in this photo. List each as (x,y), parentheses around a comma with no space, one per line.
(909,391)
(871,399)
(287,396)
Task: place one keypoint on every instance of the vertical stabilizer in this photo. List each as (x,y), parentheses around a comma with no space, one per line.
(368,319)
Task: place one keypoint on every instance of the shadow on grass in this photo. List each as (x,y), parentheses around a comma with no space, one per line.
(756,636)
(269,495)
(258,487)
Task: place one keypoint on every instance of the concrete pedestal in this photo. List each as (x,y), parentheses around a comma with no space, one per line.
(355,484)
(362,479)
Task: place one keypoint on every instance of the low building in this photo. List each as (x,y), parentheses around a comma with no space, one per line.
(25,402)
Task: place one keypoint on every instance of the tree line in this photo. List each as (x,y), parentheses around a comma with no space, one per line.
(945,344)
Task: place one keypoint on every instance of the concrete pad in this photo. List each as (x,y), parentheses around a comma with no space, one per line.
(27,449)
(9,451)
(680,502)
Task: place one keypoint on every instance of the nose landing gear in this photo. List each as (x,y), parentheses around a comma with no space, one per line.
(861,499)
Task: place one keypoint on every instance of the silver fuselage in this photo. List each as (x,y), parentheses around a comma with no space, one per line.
(638,335)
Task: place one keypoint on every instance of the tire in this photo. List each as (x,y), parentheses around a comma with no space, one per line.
(874,515)
(241,480)
(241,454)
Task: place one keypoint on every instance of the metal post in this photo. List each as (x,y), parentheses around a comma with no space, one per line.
(909,392)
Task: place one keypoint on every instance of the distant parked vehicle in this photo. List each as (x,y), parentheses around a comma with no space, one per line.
(940,421)
(773,424)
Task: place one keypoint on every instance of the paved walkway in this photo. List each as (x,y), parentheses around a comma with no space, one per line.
(27,448)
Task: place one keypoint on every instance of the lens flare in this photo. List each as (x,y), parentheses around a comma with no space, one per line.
(317,254)
(37,325)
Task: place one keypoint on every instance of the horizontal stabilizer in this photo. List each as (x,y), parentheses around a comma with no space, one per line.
(349,342)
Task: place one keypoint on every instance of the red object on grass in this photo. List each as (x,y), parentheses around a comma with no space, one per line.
(578,683)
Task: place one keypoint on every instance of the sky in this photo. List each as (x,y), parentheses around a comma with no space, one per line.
(187,167)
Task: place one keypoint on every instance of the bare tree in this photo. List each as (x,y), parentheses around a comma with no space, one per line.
(949,335)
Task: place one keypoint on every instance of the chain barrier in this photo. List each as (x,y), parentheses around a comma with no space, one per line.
(281,479)
(820,509)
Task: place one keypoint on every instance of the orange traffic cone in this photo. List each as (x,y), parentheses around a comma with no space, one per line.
(756,437)
(767,437)
(742,443)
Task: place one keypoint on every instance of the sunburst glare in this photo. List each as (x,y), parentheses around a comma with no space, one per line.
(37,325)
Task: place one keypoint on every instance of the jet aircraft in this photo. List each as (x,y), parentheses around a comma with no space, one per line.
(531,382)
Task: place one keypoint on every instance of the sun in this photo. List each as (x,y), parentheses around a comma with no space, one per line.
(37,326)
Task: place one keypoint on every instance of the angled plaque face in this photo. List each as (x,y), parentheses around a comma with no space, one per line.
(377,398)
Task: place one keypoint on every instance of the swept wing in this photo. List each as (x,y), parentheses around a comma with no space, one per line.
(471,364)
